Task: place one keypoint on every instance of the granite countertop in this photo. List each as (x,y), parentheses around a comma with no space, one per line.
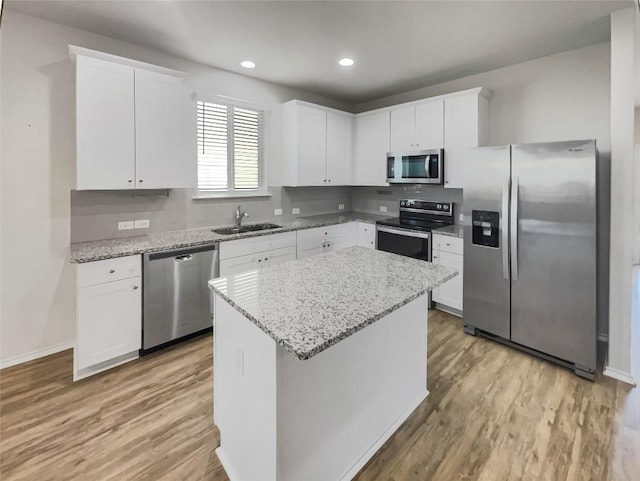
(454,230)
(310,304)
(110,248)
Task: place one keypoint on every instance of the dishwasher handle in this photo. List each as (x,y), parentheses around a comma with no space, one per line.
(180,253)
(183,258)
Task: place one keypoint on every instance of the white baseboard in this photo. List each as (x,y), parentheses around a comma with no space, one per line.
(373,449)
(619,375)
(14,361)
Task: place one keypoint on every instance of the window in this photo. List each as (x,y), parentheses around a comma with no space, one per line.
(230,149)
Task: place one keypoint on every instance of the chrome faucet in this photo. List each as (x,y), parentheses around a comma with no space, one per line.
(240,215)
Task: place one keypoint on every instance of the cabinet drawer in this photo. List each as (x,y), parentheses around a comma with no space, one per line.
(446,243)
(99,272)
(243,247)
(328,232)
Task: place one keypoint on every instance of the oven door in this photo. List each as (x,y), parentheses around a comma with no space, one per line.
(405,242)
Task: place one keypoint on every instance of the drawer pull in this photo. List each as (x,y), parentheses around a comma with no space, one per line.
(111,271)
(135,287)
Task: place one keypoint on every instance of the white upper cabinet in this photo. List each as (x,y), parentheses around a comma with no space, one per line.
(312,146)
(105,124)
(132,124)
(417,126)
(339,149)
(430,125)
(371,145)
(466,120)
(161,140)
(316,145)
(403,129)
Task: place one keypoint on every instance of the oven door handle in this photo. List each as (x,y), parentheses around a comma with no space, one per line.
(404,232)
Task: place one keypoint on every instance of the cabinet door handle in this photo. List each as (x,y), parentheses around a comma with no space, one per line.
(266,259)
(111,271)
(259,260)
(329,180)
(130,180)
(135,288)
(140,180)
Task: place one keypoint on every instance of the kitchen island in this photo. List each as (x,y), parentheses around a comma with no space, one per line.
(318,361)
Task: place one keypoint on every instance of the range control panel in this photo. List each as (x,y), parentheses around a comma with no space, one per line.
(441,208)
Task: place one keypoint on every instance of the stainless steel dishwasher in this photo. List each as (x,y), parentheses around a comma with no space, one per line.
(175,297)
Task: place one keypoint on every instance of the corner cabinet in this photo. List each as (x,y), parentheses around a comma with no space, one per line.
(108,314)
(370,148)
(132,124)
(448,251)
(316,145)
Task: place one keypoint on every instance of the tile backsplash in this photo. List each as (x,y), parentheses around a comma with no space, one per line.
(370,199)
(95,214)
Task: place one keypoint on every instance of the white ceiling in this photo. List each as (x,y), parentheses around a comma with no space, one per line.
(397,46)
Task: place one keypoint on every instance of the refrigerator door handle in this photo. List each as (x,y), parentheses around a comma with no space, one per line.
(504,229)
(514,228)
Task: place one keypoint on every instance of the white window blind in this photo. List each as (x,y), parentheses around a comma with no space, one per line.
(230,146)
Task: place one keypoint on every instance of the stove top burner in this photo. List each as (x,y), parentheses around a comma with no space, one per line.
(421,215)
(412,224)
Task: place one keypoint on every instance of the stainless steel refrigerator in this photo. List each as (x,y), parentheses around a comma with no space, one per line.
(530,249)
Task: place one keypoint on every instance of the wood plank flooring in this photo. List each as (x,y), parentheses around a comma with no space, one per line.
(493,414)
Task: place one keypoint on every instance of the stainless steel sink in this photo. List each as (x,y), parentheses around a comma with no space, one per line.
(245,228)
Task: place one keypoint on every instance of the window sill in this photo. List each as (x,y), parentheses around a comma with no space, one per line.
(231,195)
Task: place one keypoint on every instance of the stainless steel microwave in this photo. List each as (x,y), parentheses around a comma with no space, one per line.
(417,167)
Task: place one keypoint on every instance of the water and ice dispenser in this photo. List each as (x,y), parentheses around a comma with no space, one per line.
(485,227)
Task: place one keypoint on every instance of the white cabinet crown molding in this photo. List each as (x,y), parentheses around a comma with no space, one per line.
(481,91)
(75,50)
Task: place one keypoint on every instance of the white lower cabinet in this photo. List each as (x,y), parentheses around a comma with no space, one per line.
(250,262)
(108,314)
(448,251)
(254,252)
(326,239)
(367,235)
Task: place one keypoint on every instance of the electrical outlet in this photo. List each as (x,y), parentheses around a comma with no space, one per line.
(126,225)
(461,217)
(141,224)
(340,206)
(383,208)
(277,211)
(295,210)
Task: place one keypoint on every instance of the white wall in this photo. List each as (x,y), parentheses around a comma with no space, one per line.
(37,172)
(622,191)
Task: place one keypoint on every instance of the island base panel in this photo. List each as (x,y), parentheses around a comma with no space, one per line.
(322,418)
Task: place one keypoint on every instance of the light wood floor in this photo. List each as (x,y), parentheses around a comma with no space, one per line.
(493,414)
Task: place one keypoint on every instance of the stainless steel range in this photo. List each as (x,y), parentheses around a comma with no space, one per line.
(410,234)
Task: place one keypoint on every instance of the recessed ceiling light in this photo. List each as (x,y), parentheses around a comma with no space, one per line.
(346,62)
(248,64)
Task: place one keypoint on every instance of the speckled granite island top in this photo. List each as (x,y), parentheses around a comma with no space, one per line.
(310,304)
(110,248)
